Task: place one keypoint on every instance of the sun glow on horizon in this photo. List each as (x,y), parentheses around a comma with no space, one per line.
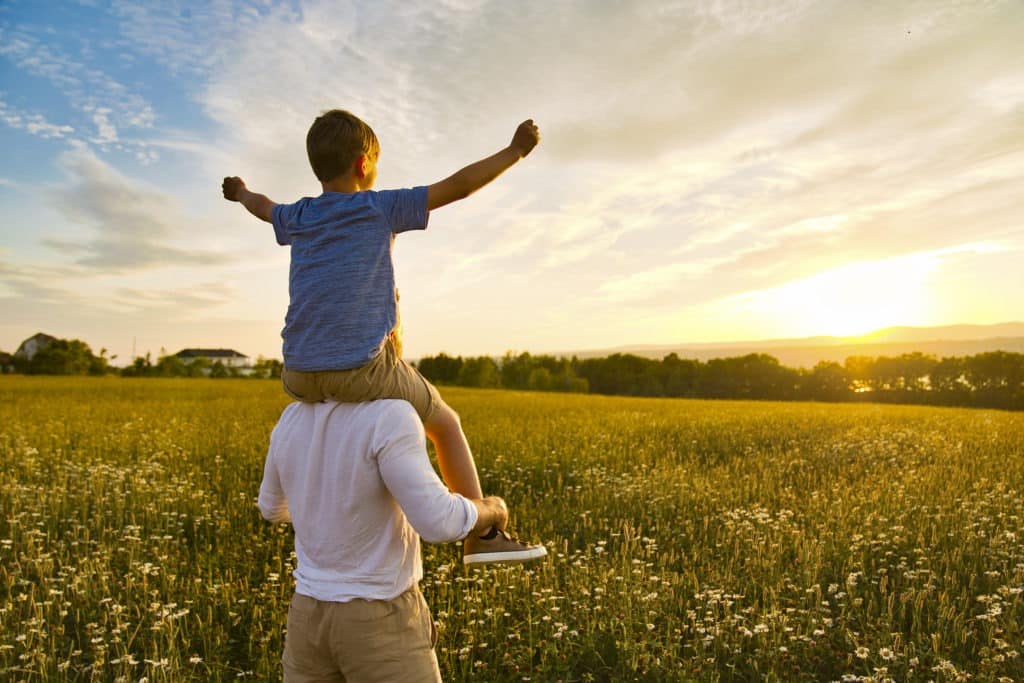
(853,299)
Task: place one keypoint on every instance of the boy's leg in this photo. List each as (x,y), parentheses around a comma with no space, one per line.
(388,376)
(458,469)
(302,386)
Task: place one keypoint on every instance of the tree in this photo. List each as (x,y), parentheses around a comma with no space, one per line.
(997,378)
(622,374)
(515,370)
(198,367)
(680,377)
(267,368)
(141,366)
(948,382)
(479,372)
(170,366)
(100,364)
(64,357)
(828,381)
(860,370)
(441,369)
(539,380)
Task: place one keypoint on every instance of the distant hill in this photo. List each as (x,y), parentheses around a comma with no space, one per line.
(951,340)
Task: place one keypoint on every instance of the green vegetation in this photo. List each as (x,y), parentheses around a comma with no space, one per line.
(75,357)
(690,540)
(173,366)
(60,357)
(991,380)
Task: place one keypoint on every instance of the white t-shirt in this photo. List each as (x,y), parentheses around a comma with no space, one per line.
(355,482)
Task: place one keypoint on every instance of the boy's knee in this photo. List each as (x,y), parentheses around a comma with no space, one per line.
(444,418)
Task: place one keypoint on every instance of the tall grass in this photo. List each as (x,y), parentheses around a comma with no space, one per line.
(689,540)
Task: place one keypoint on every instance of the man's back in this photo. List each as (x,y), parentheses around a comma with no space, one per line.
(358,486)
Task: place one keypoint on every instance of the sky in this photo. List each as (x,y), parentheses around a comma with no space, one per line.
(708,171)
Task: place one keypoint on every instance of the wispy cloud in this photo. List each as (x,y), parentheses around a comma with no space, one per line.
(34,282)
(134,225)
(105,101)
(184,303)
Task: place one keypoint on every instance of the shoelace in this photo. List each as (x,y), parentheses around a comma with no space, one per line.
(493,533)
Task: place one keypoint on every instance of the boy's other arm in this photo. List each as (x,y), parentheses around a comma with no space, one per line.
(471,178)
(259,205)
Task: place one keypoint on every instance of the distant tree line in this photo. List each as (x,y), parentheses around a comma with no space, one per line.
(994,379)
(75,357)
(173,366)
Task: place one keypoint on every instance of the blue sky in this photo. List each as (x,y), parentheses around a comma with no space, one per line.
(708,171)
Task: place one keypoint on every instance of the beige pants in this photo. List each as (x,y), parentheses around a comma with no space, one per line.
(361,641)
(386,376)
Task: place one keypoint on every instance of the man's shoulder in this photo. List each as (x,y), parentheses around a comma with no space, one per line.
(385,409)
(376,423)
(390,410)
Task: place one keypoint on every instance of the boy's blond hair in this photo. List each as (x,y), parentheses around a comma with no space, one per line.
(335,140)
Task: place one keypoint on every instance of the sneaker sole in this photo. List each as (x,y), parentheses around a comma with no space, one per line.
(515,557)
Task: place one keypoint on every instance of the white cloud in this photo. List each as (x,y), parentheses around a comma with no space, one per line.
(86,87)
(35,124)
(134,226)
(105,131)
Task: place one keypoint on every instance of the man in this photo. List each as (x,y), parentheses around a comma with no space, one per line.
(355,482)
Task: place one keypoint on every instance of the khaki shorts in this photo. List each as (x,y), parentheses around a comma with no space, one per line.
(386,376)
(361,641)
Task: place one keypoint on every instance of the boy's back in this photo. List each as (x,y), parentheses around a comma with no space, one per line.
(341,283)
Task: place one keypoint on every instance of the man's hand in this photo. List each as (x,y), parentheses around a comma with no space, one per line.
(232,188)
(491,511)
(526,137)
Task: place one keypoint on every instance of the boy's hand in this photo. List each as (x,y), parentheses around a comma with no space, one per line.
(526,138)
(470,179)
(232,188)
(258,205)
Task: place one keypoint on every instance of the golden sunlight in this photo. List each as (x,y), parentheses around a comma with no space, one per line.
(850,300)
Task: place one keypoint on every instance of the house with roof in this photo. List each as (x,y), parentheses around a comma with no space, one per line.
(229,358)
(33,345)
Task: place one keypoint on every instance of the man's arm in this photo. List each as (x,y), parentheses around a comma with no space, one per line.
(437,515)
(259,205)
(272,502)
(470,179)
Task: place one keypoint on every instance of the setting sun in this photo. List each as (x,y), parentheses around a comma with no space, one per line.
(850,300)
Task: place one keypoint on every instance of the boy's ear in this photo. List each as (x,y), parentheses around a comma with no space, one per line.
(361,166)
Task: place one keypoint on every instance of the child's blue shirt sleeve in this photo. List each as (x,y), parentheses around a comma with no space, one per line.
(405,209)
(280,216)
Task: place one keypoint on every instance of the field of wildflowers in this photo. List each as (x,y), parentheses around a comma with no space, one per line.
(689,540)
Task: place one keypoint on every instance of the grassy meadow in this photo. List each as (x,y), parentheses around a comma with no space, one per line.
(688,540)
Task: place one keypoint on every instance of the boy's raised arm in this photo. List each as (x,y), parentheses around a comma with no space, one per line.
(470,179)
(259,205)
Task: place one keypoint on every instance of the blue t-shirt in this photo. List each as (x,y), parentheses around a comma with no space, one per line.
(341,282)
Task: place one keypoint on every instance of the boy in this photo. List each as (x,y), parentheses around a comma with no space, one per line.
(341,335)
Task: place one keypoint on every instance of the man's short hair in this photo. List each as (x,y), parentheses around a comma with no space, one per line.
(335,140)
